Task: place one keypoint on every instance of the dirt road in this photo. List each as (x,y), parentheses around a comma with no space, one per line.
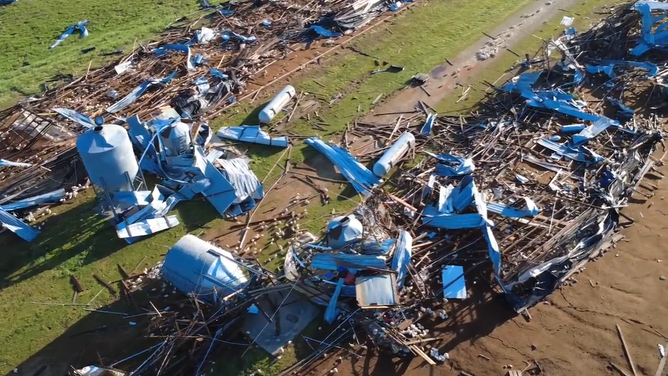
(465,65)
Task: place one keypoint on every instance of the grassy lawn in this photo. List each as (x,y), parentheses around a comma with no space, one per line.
(27,29)
(77,242)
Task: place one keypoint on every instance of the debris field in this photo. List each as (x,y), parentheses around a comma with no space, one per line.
(517,195)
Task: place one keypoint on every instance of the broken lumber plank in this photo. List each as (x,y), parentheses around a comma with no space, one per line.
(109,287)
(626,351)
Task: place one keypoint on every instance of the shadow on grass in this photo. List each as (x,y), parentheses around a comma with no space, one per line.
(78,232)
(121,330)
(97,338)
(78,237)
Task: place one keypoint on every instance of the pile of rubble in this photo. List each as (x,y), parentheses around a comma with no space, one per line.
(523,192)
(191,75)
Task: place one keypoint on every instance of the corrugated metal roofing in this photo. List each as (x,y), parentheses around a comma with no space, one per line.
(356,173)
(330,261)
(377,290)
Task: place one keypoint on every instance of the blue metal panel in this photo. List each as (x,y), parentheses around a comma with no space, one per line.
(454,285)
(17,226)
(428,124)
(530,209)
(252,134)
(329,261)
(220,193)
(76,117)
(51,197)
(179,48)
(453,165)
(79,27)
(581,154)
(137,92)
(431,217)
(332,311)
(402,256)
(359,176)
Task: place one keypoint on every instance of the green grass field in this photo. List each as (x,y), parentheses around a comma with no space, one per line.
(75,241)
(27,29)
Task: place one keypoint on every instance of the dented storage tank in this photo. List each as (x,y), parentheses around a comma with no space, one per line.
(106,152)
(195,266)
(277,104)
(394,154)
(344,230)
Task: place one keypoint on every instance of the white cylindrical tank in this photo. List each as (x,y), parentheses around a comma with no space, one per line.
(344,230)
(106,152)
(176,139)
(394,154)
(195,266)
(276,105)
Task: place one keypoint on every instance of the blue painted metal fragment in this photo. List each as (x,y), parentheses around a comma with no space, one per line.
(428,124)
(455,199)
(252,134)
(361,178)
(454,284)
(46,198)
(432,217)
(530,209)
(325,33)
(77,117)
(580,154)
(17,226)
(138,92)
(593,130)
(160,51)
(624,113)
(332,311)
(402,256)
(79,27)
(220,193)
(331,261)
(6,163)
(452,165)
(653,32)
(376,290)
(572,128)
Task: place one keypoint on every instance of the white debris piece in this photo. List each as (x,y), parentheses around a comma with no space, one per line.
(567,21)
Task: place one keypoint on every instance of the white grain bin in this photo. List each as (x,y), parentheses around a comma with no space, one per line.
(344,230)
(196,266)
(106,152)
(277,104)
(394,154)
(175,139)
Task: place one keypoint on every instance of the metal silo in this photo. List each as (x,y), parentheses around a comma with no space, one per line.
(106,152)
(195,266)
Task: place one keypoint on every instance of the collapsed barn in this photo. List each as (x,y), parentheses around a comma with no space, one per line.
(530,185)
